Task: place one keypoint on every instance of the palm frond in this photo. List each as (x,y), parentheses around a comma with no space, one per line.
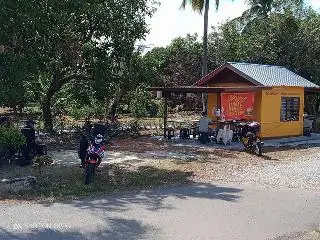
(197,5)
(217,4)
(183,4)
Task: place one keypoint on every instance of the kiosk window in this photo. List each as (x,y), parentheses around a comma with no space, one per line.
(290,107)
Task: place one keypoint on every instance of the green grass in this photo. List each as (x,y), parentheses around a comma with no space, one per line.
(58,182)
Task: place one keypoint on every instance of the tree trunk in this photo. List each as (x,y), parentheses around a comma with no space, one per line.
(47,114)
(114,102)
(113,108)
(20,108)
(205,53)
(57,82)
(205,40)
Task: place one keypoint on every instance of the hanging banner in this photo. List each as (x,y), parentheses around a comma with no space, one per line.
(237,106)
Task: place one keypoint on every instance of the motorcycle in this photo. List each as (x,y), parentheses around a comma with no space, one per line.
(94,154)
(249,137)
(307,125)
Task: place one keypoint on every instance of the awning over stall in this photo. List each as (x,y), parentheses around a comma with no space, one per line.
(166,91)
(194,89)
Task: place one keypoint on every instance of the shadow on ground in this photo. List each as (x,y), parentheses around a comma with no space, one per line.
(114,228)
(154,199)
(120,228)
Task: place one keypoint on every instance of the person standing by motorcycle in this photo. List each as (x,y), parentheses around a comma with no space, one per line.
(90,135)
(83,148)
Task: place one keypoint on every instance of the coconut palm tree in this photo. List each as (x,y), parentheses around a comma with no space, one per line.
(200,6)
(262,8)
(259,8)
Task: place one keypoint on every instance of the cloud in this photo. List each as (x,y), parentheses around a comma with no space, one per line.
(315,4)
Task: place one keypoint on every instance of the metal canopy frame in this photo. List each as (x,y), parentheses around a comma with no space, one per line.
(197,89)
(194,89)
(312,90)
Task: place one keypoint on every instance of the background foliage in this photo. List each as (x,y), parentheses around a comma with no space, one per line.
(79,58)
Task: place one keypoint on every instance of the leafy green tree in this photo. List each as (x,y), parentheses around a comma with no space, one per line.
(258,8)
(140,101)
(13,76)
(202,6)
(62,36)
(177,64)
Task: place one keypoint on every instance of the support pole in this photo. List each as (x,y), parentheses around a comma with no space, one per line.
(165,115)
(219,100)
(219,107)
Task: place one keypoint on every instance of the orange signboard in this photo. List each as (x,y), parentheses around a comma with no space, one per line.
(236,106)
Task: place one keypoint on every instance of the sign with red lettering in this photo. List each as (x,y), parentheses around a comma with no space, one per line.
(236,106)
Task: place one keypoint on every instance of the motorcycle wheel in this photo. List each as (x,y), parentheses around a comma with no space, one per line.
(244,142)
(89,173)
(257,149)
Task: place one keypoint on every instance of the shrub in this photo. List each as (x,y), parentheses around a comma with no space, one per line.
(81,112)
(10,141)
(134,127)
(156,108)
(152,109)
(139,103)
(11,138)
(160,105)
(41,161)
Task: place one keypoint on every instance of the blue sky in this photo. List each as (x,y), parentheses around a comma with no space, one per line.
(170,22)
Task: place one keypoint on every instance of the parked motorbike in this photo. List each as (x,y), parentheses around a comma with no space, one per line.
(90,167)
(249,136)
(307,124)
(94,155)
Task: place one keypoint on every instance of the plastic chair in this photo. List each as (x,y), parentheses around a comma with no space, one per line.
(170,133)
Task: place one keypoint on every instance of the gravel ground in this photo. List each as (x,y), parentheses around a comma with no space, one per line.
(295,168)
(313,235)
(301,172)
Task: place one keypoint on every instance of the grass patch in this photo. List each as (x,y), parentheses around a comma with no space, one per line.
(60,182)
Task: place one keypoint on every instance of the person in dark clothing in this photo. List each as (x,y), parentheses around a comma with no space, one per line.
(89,136)
(82,152)
(5,121)
(28,150)
(30,124)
